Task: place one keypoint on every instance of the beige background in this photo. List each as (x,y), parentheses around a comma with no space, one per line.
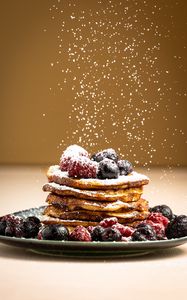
(34,111)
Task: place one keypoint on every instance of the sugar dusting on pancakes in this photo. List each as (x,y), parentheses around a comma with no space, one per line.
(118,52)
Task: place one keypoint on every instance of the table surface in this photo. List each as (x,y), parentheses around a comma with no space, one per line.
(25,275)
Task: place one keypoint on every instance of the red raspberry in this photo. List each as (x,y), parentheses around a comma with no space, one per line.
(80,233)
(158,227)
(158,218)
(90,228)
(82,167)
(125,231)
(108,222)
(70,152)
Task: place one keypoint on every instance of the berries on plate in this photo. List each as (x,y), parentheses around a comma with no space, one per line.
(70,152)
(108,222)
(2,227)
(158,218)
(126,231)
(80,233)
(54,232)
(164,210)
(96,233)
(177,228)
(82,167)
(144,232)
(107,153)
(125,167)
(107,169)
(110,234)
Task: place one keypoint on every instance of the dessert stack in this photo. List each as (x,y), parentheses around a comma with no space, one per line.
(85,190)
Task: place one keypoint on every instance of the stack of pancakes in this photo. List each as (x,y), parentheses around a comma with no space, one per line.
(86,202)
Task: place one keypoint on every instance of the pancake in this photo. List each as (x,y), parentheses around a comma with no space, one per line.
(72,203)
(126,195)
(96,216)
(54,174)
(71,224)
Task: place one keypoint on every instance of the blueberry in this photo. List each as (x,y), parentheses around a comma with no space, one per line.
(144,232)
(110,234)
(125,167)
(55,232)
(31,229)
(96,233)
(107,169)
(9,231)
(2,227)
(164,210)
(107,153)
(177,227)
(33,219)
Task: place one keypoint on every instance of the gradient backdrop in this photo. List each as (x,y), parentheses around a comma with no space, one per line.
(98,73)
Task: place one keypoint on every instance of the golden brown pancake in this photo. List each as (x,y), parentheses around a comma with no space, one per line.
(71,224)
(126,195)
(96,216)
(54,174)
(72,203)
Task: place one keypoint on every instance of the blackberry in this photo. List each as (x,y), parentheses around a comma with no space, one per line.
(54,232)
(177,228)
(96,233)
(110,234)
(125,167)
(164,210)
(107,169)
(2,227)
(144,232)
(107,153)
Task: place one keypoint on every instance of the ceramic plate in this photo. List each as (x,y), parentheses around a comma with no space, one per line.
(86,249)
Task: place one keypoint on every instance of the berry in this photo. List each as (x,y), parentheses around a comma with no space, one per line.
(96,233)
(54,232)
(82,167)
(108,222)
(14,226)
(33,219)
(2,227)
(125,167)
(158,227)
(177,228)
(107,153)
(9,231)
(90,228)
(158,218)
(31,229)
(70,152)
(163,209)
(80,233)
(107,169)
(125,231)
(110,234)
(144,232)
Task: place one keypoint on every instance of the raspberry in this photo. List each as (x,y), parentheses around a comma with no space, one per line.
(158,218)
(82,167)
(108,222)
(158,227)
(90,228)
(125,231)
(70,152)
(80,233)
(107,153)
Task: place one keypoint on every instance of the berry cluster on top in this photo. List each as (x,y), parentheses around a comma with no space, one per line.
(104,164)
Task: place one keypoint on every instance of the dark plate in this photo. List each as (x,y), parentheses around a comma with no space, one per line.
(86,249)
